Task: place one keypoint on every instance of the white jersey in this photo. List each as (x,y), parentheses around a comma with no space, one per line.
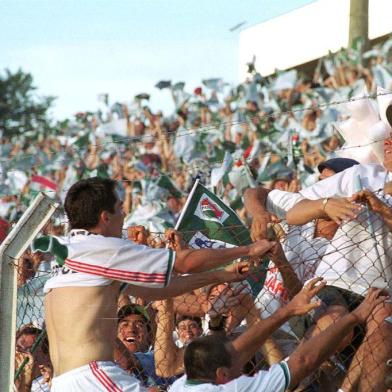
(302,251)
(359,255)
(276,379)
(97,376)
(95,260)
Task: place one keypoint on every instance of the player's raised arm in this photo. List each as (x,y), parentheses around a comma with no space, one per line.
(199,260)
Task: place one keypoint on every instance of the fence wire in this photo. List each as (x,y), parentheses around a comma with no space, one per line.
(354,255)
(167,326)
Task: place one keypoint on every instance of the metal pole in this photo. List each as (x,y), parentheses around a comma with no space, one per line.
(17,241)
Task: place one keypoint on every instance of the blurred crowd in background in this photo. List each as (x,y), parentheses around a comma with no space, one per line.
(273,131)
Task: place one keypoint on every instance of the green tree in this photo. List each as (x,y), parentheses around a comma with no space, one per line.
(22,111)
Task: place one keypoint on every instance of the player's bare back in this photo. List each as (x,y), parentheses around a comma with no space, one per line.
(81,325)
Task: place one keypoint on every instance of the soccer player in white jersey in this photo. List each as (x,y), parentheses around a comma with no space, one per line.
(357,257)
(81,297)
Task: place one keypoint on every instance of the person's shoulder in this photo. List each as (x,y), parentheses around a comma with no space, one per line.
(97,242)
(346,182)
(108,240)
(369,167)
(363,168)
(181,384)
(373,175)
(277,378)
(178,385)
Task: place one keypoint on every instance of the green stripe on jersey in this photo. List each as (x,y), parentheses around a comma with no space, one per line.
(286,373)
(170,262)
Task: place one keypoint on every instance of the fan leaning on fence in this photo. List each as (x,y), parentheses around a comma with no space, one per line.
(358,256)
(80,307)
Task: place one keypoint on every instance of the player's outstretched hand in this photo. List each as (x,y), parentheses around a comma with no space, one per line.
(173,239)
(341,209)
(236,272)
(258,230)
(369,198)
(260,248)
(302,302)
(373,298)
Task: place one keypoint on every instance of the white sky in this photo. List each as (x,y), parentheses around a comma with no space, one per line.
(76,49)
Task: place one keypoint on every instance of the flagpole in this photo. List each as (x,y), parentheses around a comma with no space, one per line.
(188,200)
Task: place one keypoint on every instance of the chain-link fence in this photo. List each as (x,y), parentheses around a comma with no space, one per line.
(152,334)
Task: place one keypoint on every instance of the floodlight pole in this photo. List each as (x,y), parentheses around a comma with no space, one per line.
(359,22)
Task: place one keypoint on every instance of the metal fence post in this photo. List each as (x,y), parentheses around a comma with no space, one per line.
(17,241)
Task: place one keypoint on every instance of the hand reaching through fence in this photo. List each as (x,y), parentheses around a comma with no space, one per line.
(259,226)
(174,240)
(375,205)
(138,234)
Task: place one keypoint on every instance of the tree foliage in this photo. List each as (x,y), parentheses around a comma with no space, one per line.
(22,110)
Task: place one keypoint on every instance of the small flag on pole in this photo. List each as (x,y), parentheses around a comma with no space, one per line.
(205,217)
(206,222)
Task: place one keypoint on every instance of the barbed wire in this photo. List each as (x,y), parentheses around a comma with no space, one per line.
(207,128)
(216,164)
(281,155)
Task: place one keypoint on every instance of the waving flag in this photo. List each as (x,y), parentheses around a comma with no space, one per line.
(205,215)
(43,184)
(206,222)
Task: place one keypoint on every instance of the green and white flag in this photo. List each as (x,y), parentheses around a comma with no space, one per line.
(153,215)
(219,172)
(168,185)
(159,188)
(206,222)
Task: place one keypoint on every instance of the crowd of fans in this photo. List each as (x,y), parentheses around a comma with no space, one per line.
(280,132)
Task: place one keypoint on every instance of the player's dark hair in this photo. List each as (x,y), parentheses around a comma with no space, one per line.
(86,199)
(203,356)
(129,309)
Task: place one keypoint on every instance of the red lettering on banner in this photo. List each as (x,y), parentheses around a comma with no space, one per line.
(274,284)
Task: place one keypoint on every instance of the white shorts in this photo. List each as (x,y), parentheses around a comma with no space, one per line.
(97,376)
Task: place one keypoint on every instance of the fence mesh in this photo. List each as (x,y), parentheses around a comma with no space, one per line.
(270,134)
(357,253)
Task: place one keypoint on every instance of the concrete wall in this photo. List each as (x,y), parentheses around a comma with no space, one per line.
(305,34)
